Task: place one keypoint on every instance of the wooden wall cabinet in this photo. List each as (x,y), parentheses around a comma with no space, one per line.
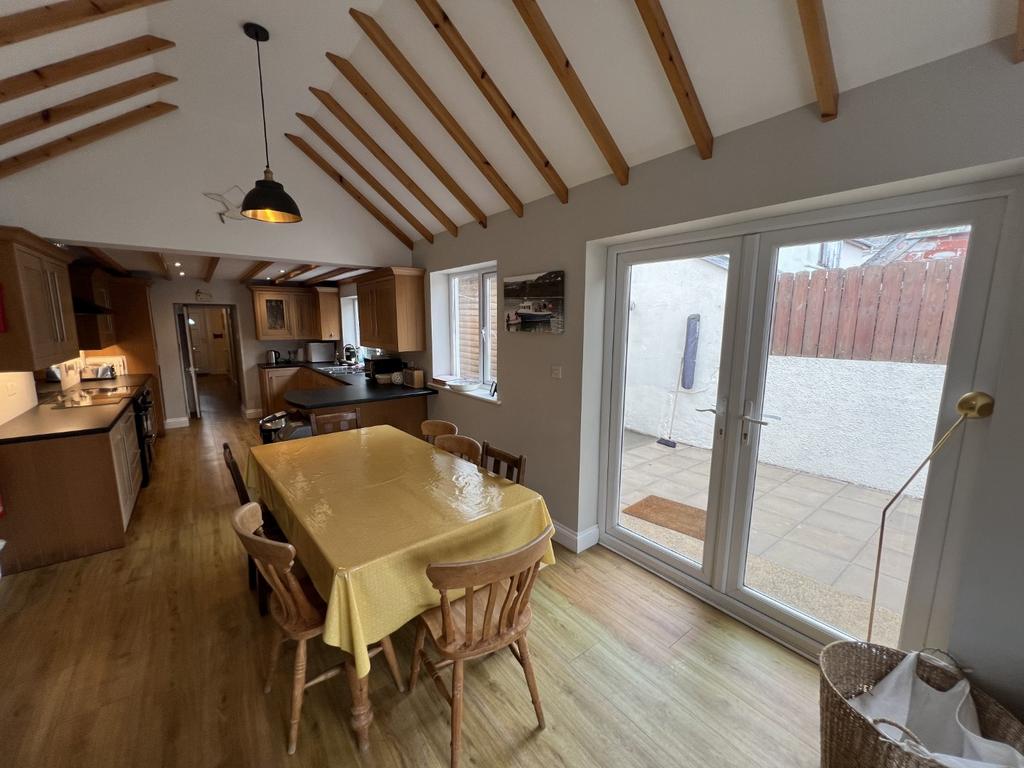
(289,314)
(391,309)
(91,285)
(37,309)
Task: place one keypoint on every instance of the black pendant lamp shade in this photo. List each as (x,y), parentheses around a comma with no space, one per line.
(267,201)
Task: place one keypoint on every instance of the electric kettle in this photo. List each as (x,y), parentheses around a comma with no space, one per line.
(273,357)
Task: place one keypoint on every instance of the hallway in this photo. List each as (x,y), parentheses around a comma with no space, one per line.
(218,395)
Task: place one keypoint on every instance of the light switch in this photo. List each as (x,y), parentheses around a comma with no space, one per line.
(556,371)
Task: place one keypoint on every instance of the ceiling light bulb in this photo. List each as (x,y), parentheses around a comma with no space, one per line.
(281,271)
(177,263)
(182,274)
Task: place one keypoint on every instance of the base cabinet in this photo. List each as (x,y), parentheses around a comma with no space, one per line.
(274,382)
(124,446)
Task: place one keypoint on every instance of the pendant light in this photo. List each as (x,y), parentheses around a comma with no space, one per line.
(267,201)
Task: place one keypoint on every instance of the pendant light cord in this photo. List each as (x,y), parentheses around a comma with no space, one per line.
(263,105)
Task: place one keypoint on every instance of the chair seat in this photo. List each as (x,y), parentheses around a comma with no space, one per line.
(297,629)
(435,623)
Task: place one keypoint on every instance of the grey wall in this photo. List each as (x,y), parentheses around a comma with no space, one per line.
(963,111)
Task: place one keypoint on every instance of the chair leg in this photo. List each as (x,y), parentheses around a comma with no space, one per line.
(275,654)
(457,681)
(262,593)
(392,660)
(531,681)
(298,688)
(417,650)
(253,573)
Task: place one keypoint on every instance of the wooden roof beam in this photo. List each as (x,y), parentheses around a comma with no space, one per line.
(548,43)
(254,270)
(345,184)
(419,86)
(398,126)
(64,71)
(671,59)
(161,265)
(365,175)
(291,274)
(68,110)
(478,74)
(78,139)
(106,261)
(384,159)
(54,17)
(819,53)
(211,268)
(330,275)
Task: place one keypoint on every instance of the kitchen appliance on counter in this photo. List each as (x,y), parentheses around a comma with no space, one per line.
(97,372)
(321,352)
(80,398)
(383,365)
(273,357)
(351,354)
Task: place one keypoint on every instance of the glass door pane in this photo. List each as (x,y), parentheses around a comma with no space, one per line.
(676,319)
(855,324)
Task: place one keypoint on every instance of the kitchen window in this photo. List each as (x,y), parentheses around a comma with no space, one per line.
(473,297)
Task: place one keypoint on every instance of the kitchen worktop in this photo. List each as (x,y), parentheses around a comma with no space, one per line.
(44,421)
(358,389)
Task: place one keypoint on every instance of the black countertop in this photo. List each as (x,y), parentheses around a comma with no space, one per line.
(358,389)
(44,421)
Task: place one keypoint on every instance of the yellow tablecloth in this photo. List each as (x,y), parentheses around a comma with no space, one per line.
(367,510)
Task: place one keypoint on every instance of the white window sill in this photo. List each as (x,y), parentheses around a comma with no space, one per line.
(483,393)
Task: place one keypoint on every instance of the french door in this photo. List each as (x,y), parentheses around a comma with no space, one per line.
(770,390)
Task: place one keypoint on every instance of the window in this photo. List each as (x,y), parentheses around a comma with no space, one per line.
(350,320)
(474,320)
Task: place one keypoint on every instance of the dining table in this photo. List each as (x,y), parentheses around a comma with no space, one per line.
(367,510)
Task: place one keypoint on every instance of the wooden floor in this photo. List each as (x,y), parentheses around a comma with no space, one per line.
(153,655)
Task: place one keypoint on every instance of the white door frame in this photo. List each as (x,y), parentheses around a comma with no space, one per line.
(935,572)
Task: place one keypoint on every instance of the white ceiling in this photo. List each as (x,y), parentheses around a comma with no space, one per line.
(746,59)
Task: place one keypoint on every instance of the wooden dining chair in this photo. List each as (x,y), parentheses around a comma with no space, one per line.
(326,423)
(464,447)
(500,462)
(297,609)
(494,614)
(432,428)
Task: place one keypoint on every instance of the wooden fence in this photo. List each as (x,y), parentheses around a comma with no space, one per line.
(901,312)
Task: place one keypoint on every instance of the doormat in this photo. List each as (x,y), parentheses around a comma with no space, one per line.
(670,514)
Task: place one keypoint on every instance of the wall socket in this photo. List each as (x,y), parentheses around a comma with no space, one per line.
(556,371)
(11,389)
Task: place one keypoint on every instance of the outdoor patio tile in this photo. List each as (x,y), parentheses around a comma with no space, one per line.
(661,468)
(787,508)
(894,562)
(853,508)
(845,524)
(895,539)
(759,541)
(702,468)
(652,451)
(817,565)
(632,497)
(632,460)
(825,541)
(816,483)
(681,460)
(698,500)
(870,496)
(909,505)
(901,521)
(766,521)
(667,489)
(805,496)
(692,451)
(770,471)
(856,580)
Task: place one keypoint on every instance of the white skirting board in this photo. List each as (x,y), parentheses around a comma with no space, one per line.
(576,541)
(178,423)
(253,413)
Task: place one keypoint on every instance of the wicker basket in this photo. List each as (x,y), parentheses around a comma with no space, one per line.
(849,740)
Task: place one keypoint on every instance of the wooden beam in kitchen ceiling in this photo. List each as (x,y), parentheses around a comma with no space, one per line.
(295,272)
(480,77)
(254,270)
(384,158)
(54,17)
(819,54)
(211,268)
(67,110)
(548,43)
(160,263)
(671,59)
(345,184)
(346,157)
(328,276)
(430,100)
(64,71)
(105,260)
(398,126)
(82,138)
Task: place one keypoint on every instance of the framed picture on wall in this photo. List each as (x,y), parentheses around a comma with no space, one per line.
(535,303)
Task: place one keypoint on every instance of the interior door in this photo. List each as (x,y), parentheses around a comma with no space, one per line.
(671,403)
(188,365)
(864,333)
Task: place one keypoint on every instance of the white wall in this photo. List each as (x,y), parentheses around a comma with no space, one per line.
(956,113)
(17,394)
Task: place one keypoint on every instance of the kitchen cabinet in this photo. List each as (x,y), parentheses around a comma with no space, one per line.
(124,446)
(287,314)
(91,289)
(391,309)
(36,311)
(274,382)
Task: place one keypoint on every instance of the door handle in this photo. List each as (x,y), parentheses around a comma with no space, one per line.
(747,419)
(750,420)
(707,410)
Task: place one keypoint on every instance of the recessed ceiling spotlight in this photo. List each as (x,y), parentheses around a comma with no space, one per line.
(177,263)
(281,271)
(182,274)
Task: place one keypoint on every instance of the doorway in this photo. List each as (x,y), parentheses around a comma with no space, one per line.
(210,359)
(771,389)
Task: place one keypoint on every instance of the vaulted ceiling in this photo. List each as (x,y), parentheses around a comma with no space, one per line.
(473,146)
